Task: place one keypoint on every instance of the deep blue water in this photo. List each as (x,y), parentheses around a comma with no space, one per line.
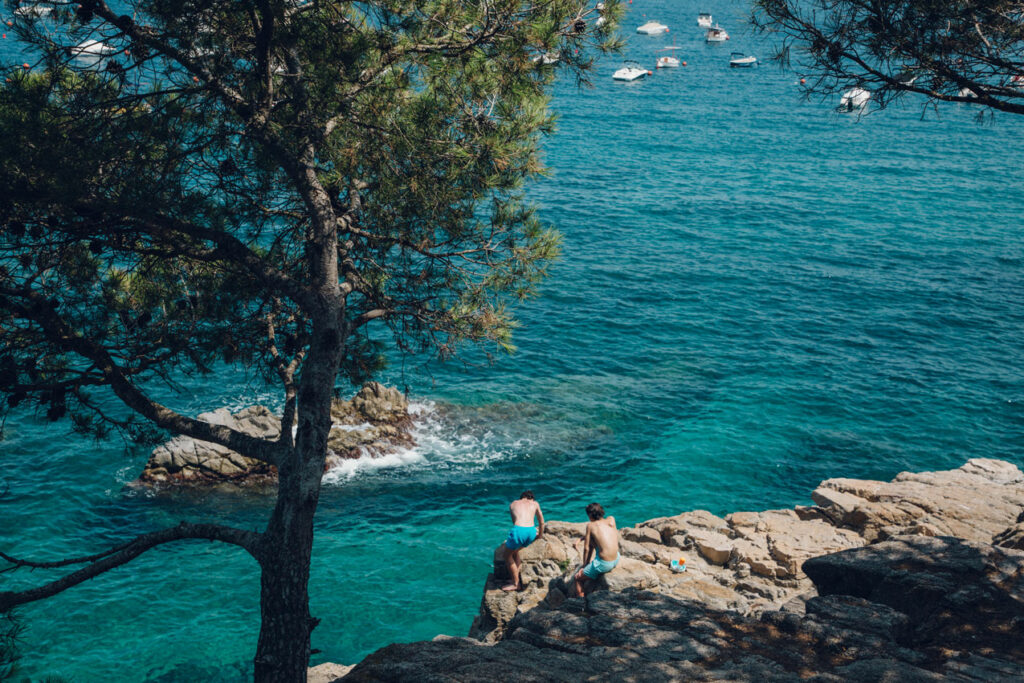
(755,294)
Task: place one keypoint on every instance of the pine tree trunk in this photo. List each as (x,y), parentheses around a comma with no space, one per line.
(282,653)
(283,650)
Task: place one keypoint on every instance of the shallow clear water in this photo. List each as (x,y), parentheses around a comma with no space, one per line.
(755,294)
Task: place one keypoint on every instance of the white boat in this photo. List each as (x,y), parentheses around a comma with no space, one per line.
(630,71)
(92,48)
(704,20)
(1017,81)
(33,11)
(967,92)
(652,28)
(668,61)
(547,58)
(853,99)
(716,34)
(739,59)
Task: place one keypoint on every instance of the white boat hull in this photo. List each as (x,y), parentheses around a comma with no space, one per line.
(652,28)
(667,62)
(854,99)
(744,62)
(716,35)
(628,74)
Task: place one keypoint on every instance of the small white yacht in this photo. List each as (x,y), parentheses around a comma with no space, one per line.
(630,71)
(853,99)
(92,48)
(652,28)
(704,20)
(33,11)
(738,59)
(668,61)
(716,34)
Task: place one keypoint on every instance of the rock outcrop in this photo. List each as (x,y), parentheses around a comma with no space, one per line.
(879,632)
(915,579)
(374,422)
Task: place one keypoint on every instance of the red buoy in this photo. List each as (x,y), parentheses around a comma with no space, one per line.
(684,63)
(25,66)
(195,79)
(802,81)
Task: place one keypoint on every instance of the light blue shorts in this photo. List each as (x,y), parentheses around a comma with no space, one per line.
(598,566)
(520,537)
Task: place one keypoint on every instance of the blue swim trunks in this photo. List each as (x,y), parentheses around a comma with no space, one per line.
(598,566)
(520,537)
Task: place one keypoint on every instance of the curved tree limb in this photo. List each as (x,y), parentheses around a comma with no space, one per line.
(61,334)
(122,554)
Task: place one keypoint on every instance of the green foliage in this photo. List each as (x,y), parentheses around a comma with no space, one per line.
(965,51)
(423,119)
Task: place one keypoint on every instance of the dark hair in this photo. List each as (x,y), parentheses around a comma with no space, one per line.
(528,495)
(595,511)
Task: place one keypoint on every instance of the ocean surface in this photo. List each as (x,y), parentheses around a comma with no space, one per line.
(755,294)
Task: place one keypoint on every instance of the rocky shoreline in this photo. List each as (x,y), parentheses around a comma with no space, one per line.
(374,422)
(920,578)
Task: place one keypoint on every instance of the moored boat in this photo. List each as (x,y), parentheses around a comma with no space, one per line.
(853,99)
(652,28)
(738,59)
(704,20)
(630,71)
(716,34)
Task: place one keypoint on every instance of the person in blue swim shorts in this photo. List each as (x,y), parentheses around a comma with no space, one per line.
(522,534)
(600,539)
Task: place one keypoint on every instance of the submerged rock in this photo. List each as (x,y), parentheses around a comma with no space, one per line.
(374,422)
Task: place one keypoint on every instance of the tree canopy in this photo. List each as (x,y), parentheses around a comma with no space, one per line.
(960,51)
(185,183)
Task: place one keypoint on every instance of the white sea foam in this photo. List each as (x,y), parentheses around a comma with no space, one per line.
(439,444)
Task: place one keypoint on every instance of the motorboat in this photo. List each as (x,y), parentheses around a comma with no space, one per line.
(547,58)
(716,34)
(704,20)
(668,61)
(92,49)
(652,28)
(630,71)
(1017,81)
(738,59)
(29,11)
(968,93)
(853,99)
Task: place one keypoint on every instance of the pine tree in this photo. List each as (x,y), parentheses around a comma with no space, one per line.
(186,183)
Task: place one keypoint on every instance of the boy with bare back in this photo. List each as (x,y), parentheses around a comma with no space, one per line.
(522,534)
(602,538)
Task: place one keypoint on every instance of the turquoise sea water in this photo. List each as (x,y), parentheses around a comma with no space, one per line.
(755,294)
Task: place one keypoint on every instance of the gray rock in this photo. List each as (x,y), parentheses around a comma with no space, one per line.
(374,422)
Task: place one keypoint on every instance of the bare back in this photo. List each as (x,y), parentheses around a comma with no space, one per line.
(605,537)
(523,511)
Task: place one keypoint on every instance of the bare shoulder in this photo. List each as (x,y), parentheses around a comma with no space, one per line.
(611,522)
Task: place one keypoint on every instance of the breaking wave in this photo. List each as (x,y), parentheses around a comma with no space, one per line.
(442,440)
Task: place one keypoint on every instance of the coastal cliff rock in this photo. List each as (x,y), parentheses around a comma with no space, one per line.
(374,422)
(874,629)
(914,579)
